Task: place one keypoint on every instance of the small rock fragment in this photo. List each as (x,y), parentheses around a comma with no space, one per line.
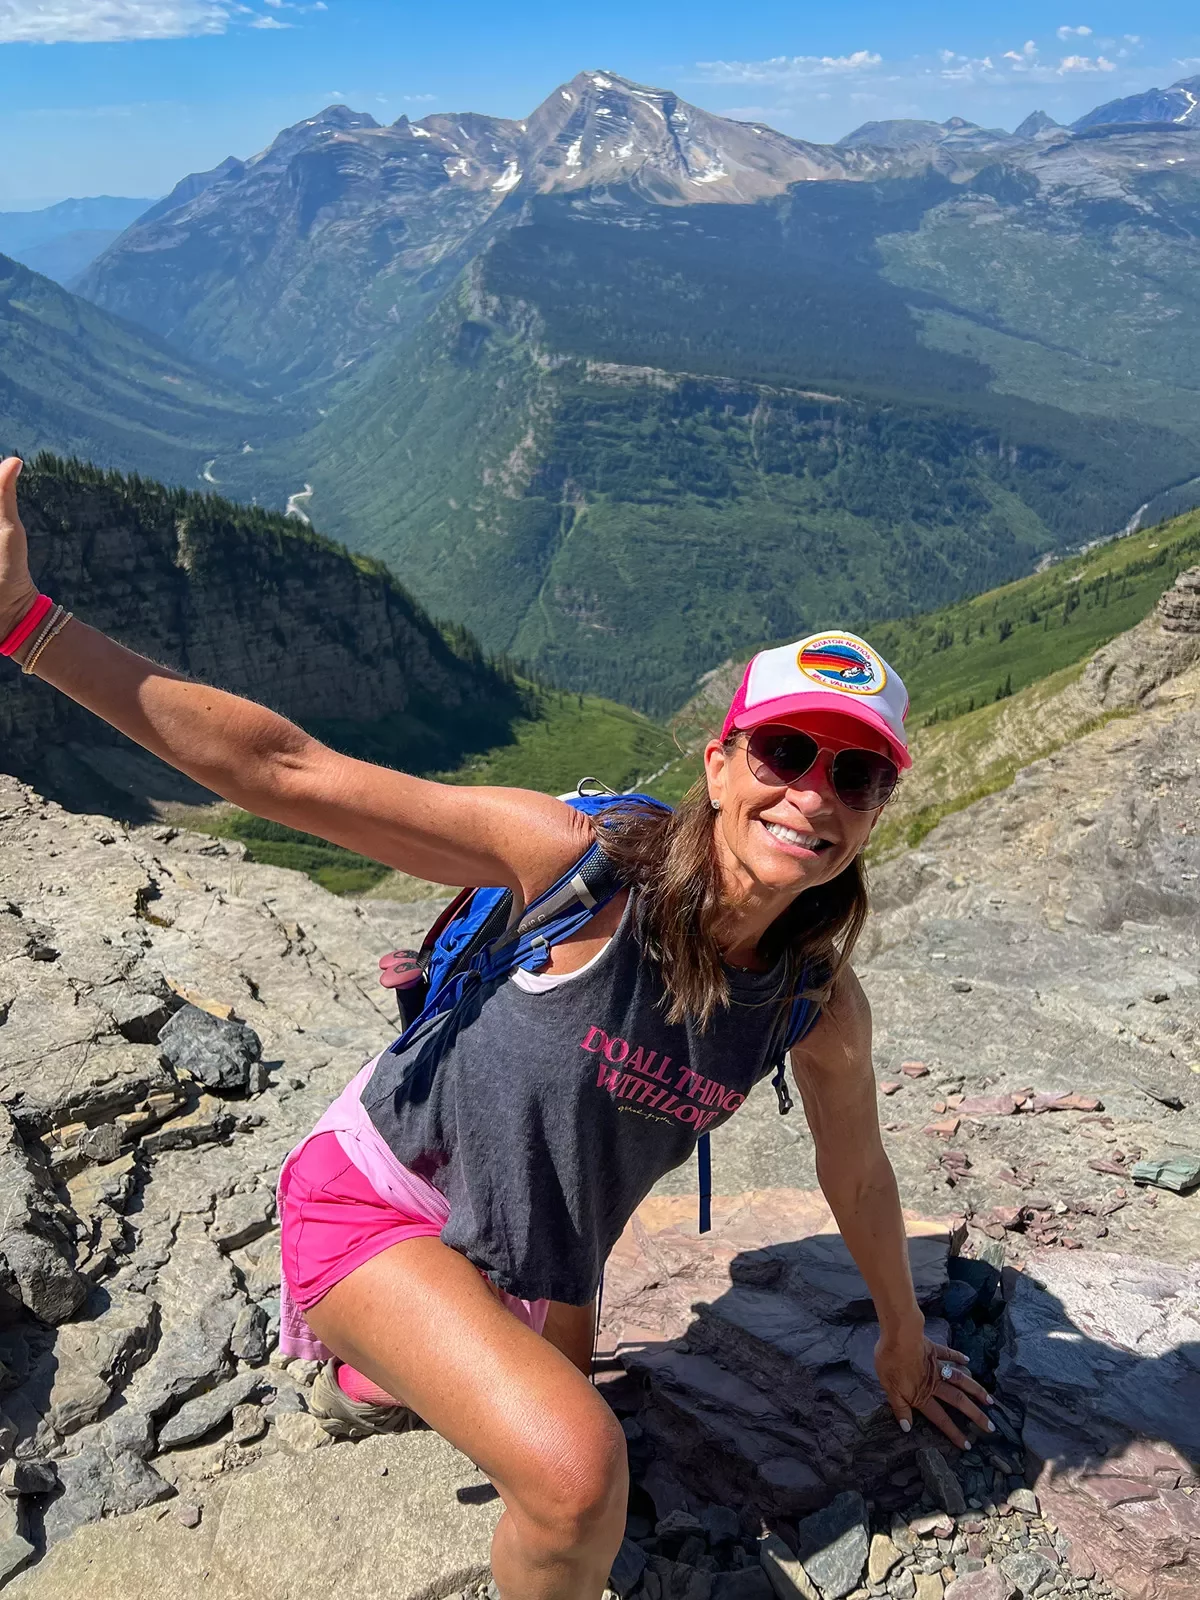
(217,1053)
(881,1558)
(1027,1569)
(914,1069)
(940,1482)
(832,1544)
(249,1424)
(1180,1174)
(207,1411)
(945,1129)
(301,1432)
(189,1515)
(989,1583)
(929,1586)
(788,1579)
(1025,1501)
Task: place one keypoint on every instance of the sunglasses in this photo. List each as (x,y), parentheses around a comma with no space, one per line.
(862,779)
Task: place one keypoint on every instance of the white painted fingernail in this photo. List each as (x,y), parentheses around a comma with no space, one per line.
(967,1445)
(991,1424)
(905,1425)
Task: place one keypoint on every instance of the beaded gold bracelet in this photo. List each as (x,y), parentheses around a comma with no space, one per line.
(50,632)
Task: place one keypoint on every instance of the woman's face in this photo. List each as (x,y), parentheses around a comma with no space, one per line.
(790,837)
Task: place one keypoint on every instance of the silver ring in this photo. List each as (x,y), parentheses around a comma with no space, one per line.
(949,1373)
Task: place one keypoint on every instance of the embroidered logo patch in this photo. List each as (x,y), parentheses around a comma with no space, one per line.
(836,662)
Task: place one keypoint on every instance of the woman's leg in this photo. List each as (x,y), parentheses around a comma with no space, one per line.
(419,1321)
(572,1329)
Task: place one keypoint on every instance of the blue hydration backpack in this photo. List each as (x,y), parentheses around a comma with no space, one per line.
(475,941)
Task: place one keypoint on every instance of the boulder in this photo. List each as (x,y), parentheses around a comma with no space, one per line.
(216,1052)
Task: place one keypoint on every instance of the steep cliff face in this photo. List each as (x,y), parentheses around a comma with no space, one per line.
(248,601)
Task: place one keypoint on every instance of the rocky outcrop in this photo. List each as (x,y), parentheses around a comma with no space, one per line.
(1038,955)
(756,1345)
(1129,670)
(235,597)
(1103,1353)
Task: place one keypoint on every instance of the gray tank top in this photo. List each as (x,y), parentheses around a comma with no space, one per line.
(545,1119)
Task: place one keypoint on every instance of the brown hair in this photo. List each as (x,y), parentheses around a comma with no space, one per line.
(671,860)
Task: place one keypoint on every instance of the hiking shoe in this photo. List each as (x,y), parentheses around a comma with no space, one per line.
(354,1419)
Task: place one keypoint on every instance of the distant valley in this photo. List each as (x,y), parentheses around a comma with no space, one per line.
(629,388)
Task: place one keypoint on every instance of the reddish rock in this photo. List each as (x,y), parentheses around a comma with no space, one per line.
(1066,1102)
(914,1069)
(990,1584)
(946,1129)
(1100,1349)
(889,1086)
(982,1105)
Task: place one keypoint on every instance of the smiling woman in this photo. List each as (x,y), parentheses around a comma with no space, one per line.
(445,1226)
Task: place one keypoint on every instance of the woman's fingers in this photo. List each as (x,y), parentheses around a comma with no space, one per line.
(953,1394)
(941,1419)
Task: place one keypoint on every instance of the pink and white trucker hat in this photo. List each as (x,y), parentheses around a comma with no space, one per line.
(825,672)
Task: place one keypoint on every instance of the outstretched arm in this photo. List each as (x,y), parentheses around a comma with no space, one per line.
(268,765)
(833,1071)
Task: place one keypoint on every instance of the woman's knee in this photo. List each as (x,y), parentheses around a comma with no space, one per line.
(575,1483)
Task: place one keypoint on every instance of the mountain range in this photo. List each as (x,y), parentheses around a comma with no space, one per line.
(629,387)
(61,240)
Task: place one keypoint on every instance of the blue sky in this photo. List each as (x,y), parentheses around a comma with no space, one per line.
(125,96)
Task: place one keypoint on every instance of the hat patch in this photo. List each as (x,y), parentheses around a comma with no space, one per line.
(837,662)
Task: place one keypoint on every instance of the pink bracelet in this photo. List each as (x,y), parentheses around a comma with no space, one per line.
(37,612)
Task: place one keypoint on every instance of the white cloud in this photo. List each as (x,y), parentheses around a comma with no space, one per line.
(788,69)
(1075,33)
(1085,64)
(110,21)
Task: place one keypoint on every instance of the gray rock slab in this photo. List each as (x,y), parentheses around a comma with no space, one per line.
(325,1523)
(37,1268)
(207,1411)
(97,1483)
(242,1218)
(942,1485)
(833,1543)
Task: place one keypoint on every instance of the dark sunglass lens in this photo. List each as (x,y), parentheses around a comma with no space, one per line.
(780,755)
(863,780)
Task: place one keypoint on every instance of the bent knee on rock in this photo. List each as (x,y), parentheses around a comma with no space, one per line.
(574,1485)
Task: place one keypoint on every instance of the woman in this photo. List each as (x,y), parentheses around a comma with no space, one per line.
(443,1232)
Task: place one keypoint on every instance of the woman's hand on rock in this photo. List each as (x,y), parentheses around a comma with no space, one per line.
(919,1375)
(17,589)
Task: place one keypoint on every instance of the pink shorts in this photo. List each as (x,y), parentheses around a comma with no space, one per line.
(332,1220)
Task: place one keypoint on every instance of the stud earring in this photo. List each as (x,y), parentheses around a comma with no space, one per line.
(716,805)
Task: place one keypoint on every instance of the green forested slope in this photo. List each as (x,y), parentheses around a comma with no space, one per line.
(962,658)
(625,454)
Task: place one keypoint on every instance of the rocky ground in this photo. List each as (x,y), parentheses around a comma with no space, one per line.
(1035,974)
